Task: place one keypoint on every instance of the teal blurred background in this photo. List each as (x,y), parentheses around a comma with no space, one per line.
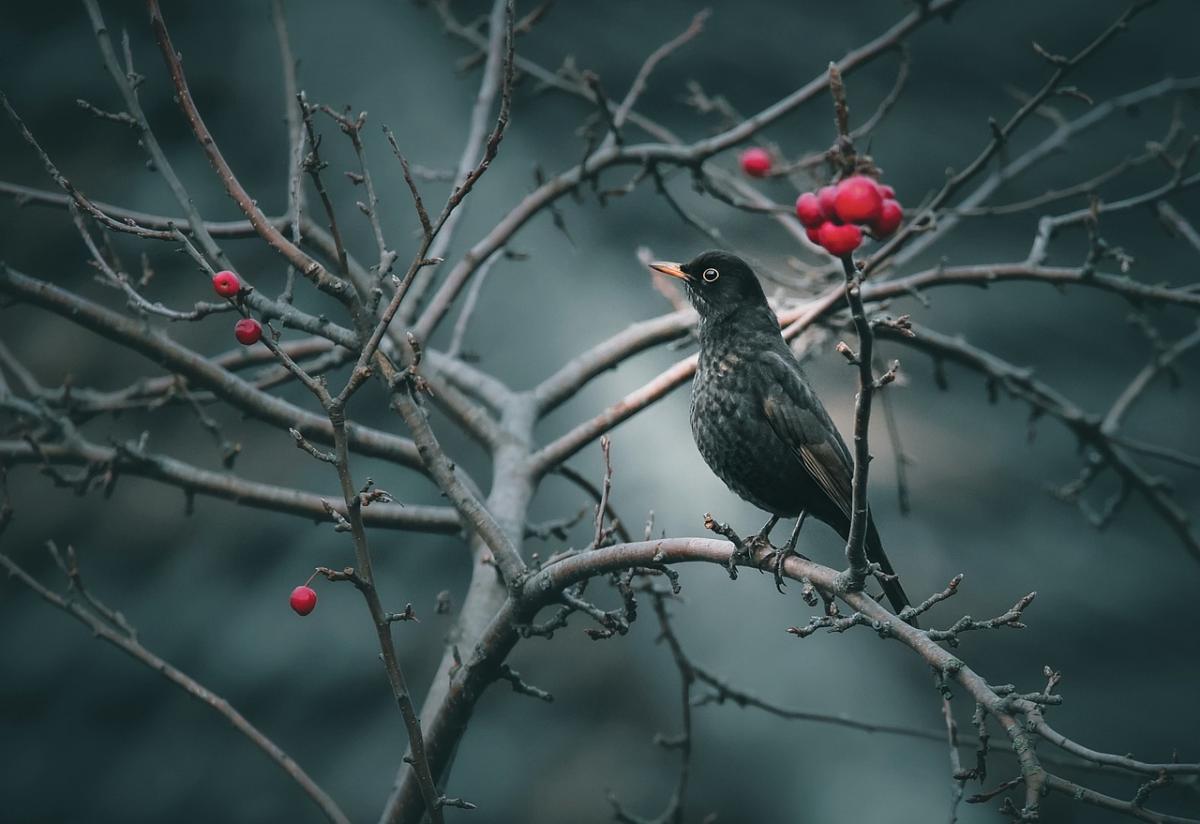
(87,735)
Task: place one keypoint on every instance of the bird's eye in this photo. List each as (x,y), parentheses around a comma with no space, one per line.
(710,275)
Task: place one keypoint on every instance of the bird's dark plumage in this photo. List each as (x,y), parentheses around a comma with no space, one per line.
(756,420)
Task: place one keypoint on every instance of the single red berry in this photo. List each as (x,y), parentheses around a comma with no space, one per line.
(303,600)
(839,240)
(814,233)
(826,197)
(756,161)
(890,218)
(248,331)
(858,200)
(886,192)
(226,284)
(808,209)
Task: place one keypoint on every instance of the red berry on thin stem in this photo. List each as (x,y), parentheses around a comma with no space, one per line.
(858,200)
(303,600)
(886,192)
(890,218)
(839,240)
(226,284)
(756,161)
(808,210)
(248,331)
(814,233)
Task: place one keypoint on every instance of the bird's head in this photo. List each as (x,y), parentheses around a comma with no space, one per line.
(718,283)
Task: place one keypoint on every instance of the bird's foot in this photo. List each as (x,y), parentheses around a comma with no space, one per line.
(777,560)
(756,544)
(779,557)
(761,541)
(742,555)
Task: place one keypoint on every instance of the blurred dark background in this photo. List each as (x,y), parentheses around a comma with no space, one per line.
(87,735)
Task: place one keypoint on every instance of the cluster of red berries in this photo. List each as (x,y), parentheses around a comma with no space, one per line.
(248,331)
(833,216)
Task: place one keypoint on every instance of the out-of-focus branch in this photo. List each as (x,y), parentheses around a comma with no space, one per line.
(109,463)
(1088,428)
(127,642)
(148,141)
(496,79)
(674,810)
(311,269)
(559,450)
(295,124)
(1141,382)
(605,355)
(693,30)
(31,196)
(1179,224)
(987,274)
(1001,133)
(74,195)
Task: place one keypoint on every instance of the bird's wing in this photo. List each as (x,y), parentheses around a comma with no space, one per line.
(799,420)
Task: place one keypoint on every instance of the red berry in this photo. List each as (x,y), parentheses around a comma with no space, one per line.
(303,600)
(808,209)
(886,192)
(756,161)
(226,284)
(858,200)
(890,217)
(247,331)
(839,240)
(826,197)
(814,233)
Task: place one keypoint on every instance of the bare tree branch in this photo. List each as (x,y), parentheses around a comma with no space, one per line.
(128,643)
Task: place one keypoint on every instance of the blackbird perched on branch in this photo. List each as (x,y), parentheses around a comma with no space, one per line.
(756,420)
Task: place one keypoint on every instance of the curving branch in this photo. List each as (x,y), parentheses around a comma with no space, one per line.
(1003,705)
(122,636)
(109,463)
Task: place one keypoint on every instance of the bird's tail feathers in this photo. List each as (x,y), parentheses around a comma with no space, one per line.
(895,593)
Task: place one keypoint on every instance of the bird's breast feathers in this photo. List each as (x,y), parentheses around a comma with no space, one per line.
(726,364)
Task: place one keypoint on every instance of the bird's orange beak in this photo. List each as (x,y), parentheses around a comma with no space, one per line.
(670,269)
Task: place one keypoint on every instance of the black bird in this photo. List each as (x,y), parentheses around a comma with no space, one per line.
(756,419)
